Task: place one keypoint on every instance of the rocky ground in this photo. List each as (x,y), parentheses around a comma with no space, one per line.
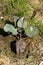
(33,54)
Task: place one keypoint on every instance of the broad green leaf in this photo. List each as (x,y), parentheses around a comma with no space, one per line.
(22,23)
(10,28)
(15,19)
(31,31)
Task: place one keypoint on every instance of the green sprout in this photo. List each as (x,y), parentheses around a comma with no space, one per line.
(30,31)
(20,25)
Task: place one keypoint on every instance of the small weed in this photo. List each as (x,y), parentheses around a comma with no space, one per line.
(41,30)
(41,0)
(8,10)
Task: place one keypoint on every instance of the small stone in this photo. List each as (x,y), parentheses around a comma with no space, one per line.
(41,63)
(20,46)
(1,17)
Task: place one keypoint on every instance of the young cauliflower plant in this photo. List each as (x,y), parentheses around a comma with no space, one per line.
(20,25)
